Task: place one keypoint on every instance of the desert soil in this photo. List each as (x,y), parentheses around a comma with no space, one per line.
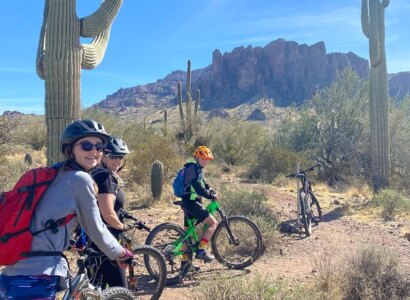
(341,232)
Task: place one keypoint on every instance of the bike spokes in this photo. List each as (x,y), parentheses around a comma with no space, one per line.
(243,249)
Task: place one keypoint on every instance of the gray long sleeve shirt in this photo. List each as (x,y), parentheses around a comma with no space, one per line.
(71,191)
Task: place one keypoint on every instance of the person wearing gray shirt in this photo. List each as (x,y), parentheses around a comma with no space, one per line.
(73,191)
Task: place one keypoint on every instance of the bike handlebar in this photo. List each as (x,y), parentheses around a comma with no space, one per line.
(303,172)
(138,224)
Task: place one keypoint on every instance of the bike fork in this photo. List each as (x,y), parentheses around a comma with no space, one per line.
(232,238)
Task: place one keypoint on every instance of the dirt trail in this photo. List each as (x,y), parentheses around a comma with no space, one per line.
(336,237)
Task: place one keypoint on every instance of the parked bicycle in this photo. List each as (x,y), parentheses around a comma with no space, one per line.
(236,243)
(140,280)
(309,206)
(81,288)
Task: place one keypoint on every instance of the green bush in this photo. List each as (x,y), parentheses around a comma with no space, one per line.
(273,162)
(392,202)
(10,172)
(254,206)
(142,156)
(239,143)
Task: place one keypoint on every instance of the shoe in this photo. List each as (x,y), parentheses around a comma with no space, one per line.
(204,255)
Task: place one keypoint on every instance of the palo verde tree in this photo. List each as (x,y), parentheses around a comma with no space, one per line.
(61,56)
(372,18)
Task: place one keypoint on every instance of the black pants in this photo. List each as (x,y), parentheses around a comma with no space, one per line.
(106,273)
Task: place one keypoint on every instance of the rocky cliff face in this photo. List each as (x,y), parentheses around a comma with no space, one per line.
(399,85)
(284,71)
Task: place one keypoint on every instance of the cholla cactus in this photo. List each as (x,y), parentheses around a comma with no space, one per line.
(60,57)
(373,28)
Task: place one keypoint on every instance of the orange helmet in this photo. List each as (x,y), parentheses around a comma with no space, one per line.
(204,153)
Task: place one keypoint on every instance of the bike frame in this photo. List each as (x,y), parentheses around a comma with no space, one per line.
(212,207)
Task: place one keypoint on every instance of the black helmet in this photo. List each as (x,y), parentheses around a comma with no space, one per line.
(82,128)
(116,146)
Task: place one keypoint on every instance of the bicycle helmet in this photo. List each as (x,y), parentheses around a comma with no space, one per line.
(82,128)
(116,146)
(204,153)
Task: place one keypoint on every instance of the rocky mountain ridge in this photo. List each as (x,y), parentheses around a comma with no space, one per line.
(284,71)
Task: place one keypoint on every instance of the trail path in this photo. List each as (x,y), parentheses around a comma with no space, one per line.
(293,256)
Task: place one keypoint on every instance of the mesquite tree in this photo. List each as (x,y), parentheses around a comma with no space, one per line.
(61,56)
(372,18)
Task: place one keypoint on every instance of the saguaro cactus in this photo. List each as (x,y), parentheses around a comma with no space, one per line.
(188,119)
(60,57)
(157,178)
(372,18)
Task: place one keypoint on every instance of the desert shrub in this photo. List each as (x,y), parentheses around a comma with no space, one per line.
(332,127)
(400,144)
(391,202)
(10,172)
(32,134)
(274,161)
(259,287)
(239,143)
(372,274)
(7,126)
(155,148)
(254,206)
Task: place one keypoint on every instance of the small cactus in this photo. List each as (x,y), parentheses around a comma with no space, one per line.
(28,159)
(157,179)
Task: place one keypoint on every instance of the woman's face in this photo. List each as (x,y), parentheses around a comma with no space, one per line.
(86,157)
(113,162)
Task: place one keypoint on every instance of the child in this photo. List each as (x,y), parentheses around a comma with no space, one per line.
(194,189)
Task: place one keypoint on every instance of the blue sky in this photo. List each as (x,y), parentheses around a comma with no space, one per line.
(151,38)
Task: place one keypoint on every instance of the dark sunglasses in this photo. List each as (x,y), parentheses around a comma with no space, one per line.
(112,156)
(88,146)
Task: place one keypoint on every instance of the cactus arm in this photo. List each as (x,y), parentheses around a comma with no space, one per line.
(181,109)
(188,77)
(41,47)
(385,3)
(93,53)
(375,10)
(101,19)
(365,18)
(198,96)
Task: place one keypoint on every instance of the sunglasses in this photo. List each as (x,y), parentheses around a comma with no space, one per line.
(88,146)
(112,156)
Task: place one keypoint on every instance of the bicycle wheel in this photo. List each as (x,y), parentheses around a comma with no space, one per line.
(314,208)
(306,215)
(246,248)
(163,238)
(144,282)
(116,293)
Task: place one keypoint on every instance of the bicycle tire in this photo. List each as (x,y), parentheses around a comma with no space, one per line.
(315,208)
(306,216)
(248,235)
(117,293)
(147,284)
(160,237)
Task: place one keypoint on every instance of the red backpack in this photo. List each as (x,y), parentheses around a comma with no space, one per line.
(16,210)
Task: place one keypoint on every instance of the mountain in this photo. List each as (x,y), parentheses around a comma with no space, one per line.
(399,85)
(284,71)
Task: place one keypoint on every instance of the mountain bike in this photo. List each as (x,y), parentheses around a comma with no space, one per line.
(81,288)
(236,243)
(140,280)
(309,206)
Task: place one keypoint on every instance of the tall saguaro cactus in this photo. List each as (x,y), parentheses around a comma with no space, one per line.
(60,57)
(188,119)
(372,18)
